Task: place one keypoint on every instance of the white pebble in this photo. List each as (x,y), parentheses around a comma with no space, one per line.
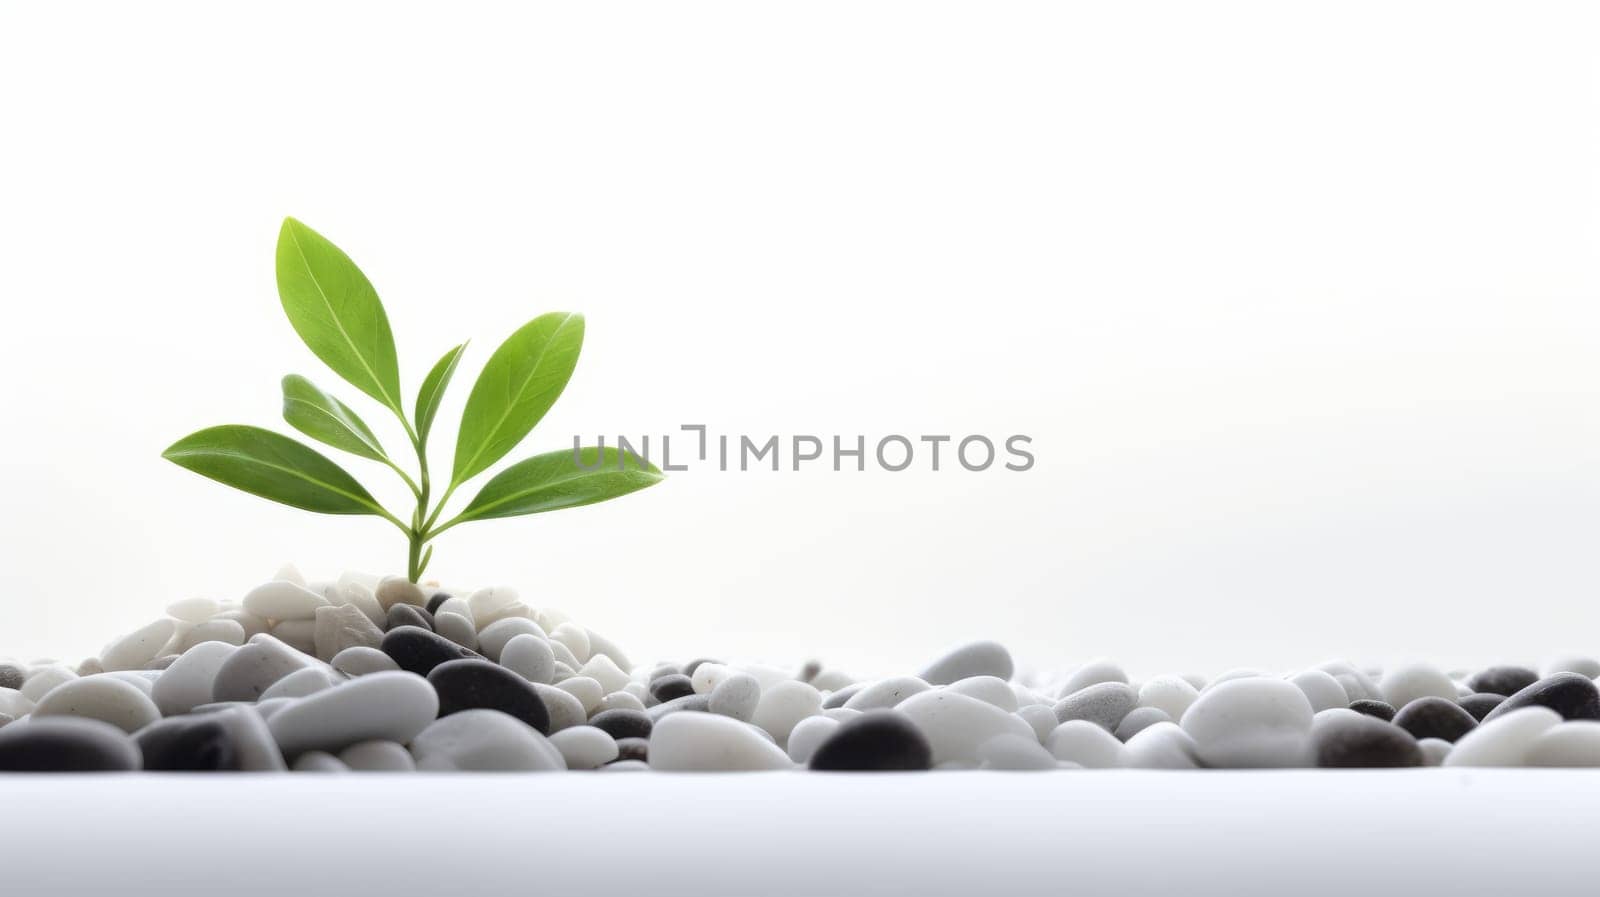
(708,675)
(1087,744)
(1404,684)
(456,628)
(1042,718)
(1322,690)
(139,647)
(485,602)
(983,658)
(1504,740)
(586,690)
(619,700)
(1171,694)
(565,709)
(391,706)
(377,756)
(955,725)
(605,671)
(1569,744)
(710,742)
(394,590)
(575,638)
(13,704)
(257,664)
(1162,746)
(1015,752)
(42,680)
(584,747)
(319,761)
(1434,750)
(886,693)
(361,661)
(1251,722)
(480,740)
(300,635)
(188,682)
(807,735)
(1092,673)
(1588,667)
(301,683)
(784,705)
(104,697)
(228,632)
(193,610)
(990,689)
(345,626)
(492,639)
(736,696)
(283,600)
(529,656)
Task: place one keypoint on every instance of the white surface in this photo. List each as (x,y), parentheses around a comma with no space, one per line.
(1297,300)
(780,834)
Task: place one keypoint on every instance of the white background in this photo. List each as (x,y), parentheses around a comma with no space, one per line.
(1298,302)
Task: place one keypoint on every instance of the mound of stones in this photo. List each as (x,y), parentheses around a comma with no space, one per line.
(361,674)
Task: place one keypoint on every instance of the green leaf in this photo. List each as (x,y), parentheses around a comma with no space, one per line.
(557,480)
(520,382)
(327,420)
(275,467)
(336,311)
(432,391)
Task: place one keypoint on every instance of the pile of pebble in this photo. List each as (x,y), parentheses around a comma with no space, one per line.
(385,675)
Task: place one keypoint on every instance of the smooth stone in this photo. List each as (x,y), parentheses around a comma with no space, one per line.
(632,749)
(620,724)
(419,650)
(250,623)
(481,740)
(709,674)
(575,638)
(360,597)
(619,700)
(393,590)
(955,725)
(1139,719)
(90,666)
(1087,744)
(391,706)
(1572,695)
(1092,673)
(783,706)
(253,668)
(337,628)
(189,681)
(407,615)
(599,644)
(456,628)
(565,710)
(103,697)
(831,680)
(253,744)
(1014,752)
(588,692)
(485,603)
(472,683)
(1481,703)
(1587,667)
(1105,704)
(738,696)
(708,742)
(319,761)
(377,756)
(1503,740)
(668,688)
(529,656)
(1236,673)
(886,693)
(693,665)
(605,671)
(187,744)
(1434,750)
(1172,694)
(1251,723)
(1502,680)
(1435,718)
(1162,746)
(144,680)
(268,706)
(1404,684)
(697,703)
(301,683)
(290,573)
(1380,709)
(437,600)
(283,600)
(360,661)
(585,747)
(808,735)
(1355,682)
(42,680)
(840,695)
(1344,739)
(983,658)
(1041,717)
(1574,744)
(13,704)
(228,632)
(193,610)
(12,676)
(1321,689)
(139,647)
(67,744)
(875,741)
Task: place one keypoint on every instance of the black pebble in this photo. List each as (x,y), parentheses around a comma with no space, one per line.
(1343,741)
(633,749)
(187,744)
(623,723)
(1572,695)
(408,615)
(1480,704)
(473,683)
(693,665)
(667,688)
(419,650)
(877,741)
(1373,708)
(437,599)
(66,744)
(11,675)
(1502,680)
(1435,717)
